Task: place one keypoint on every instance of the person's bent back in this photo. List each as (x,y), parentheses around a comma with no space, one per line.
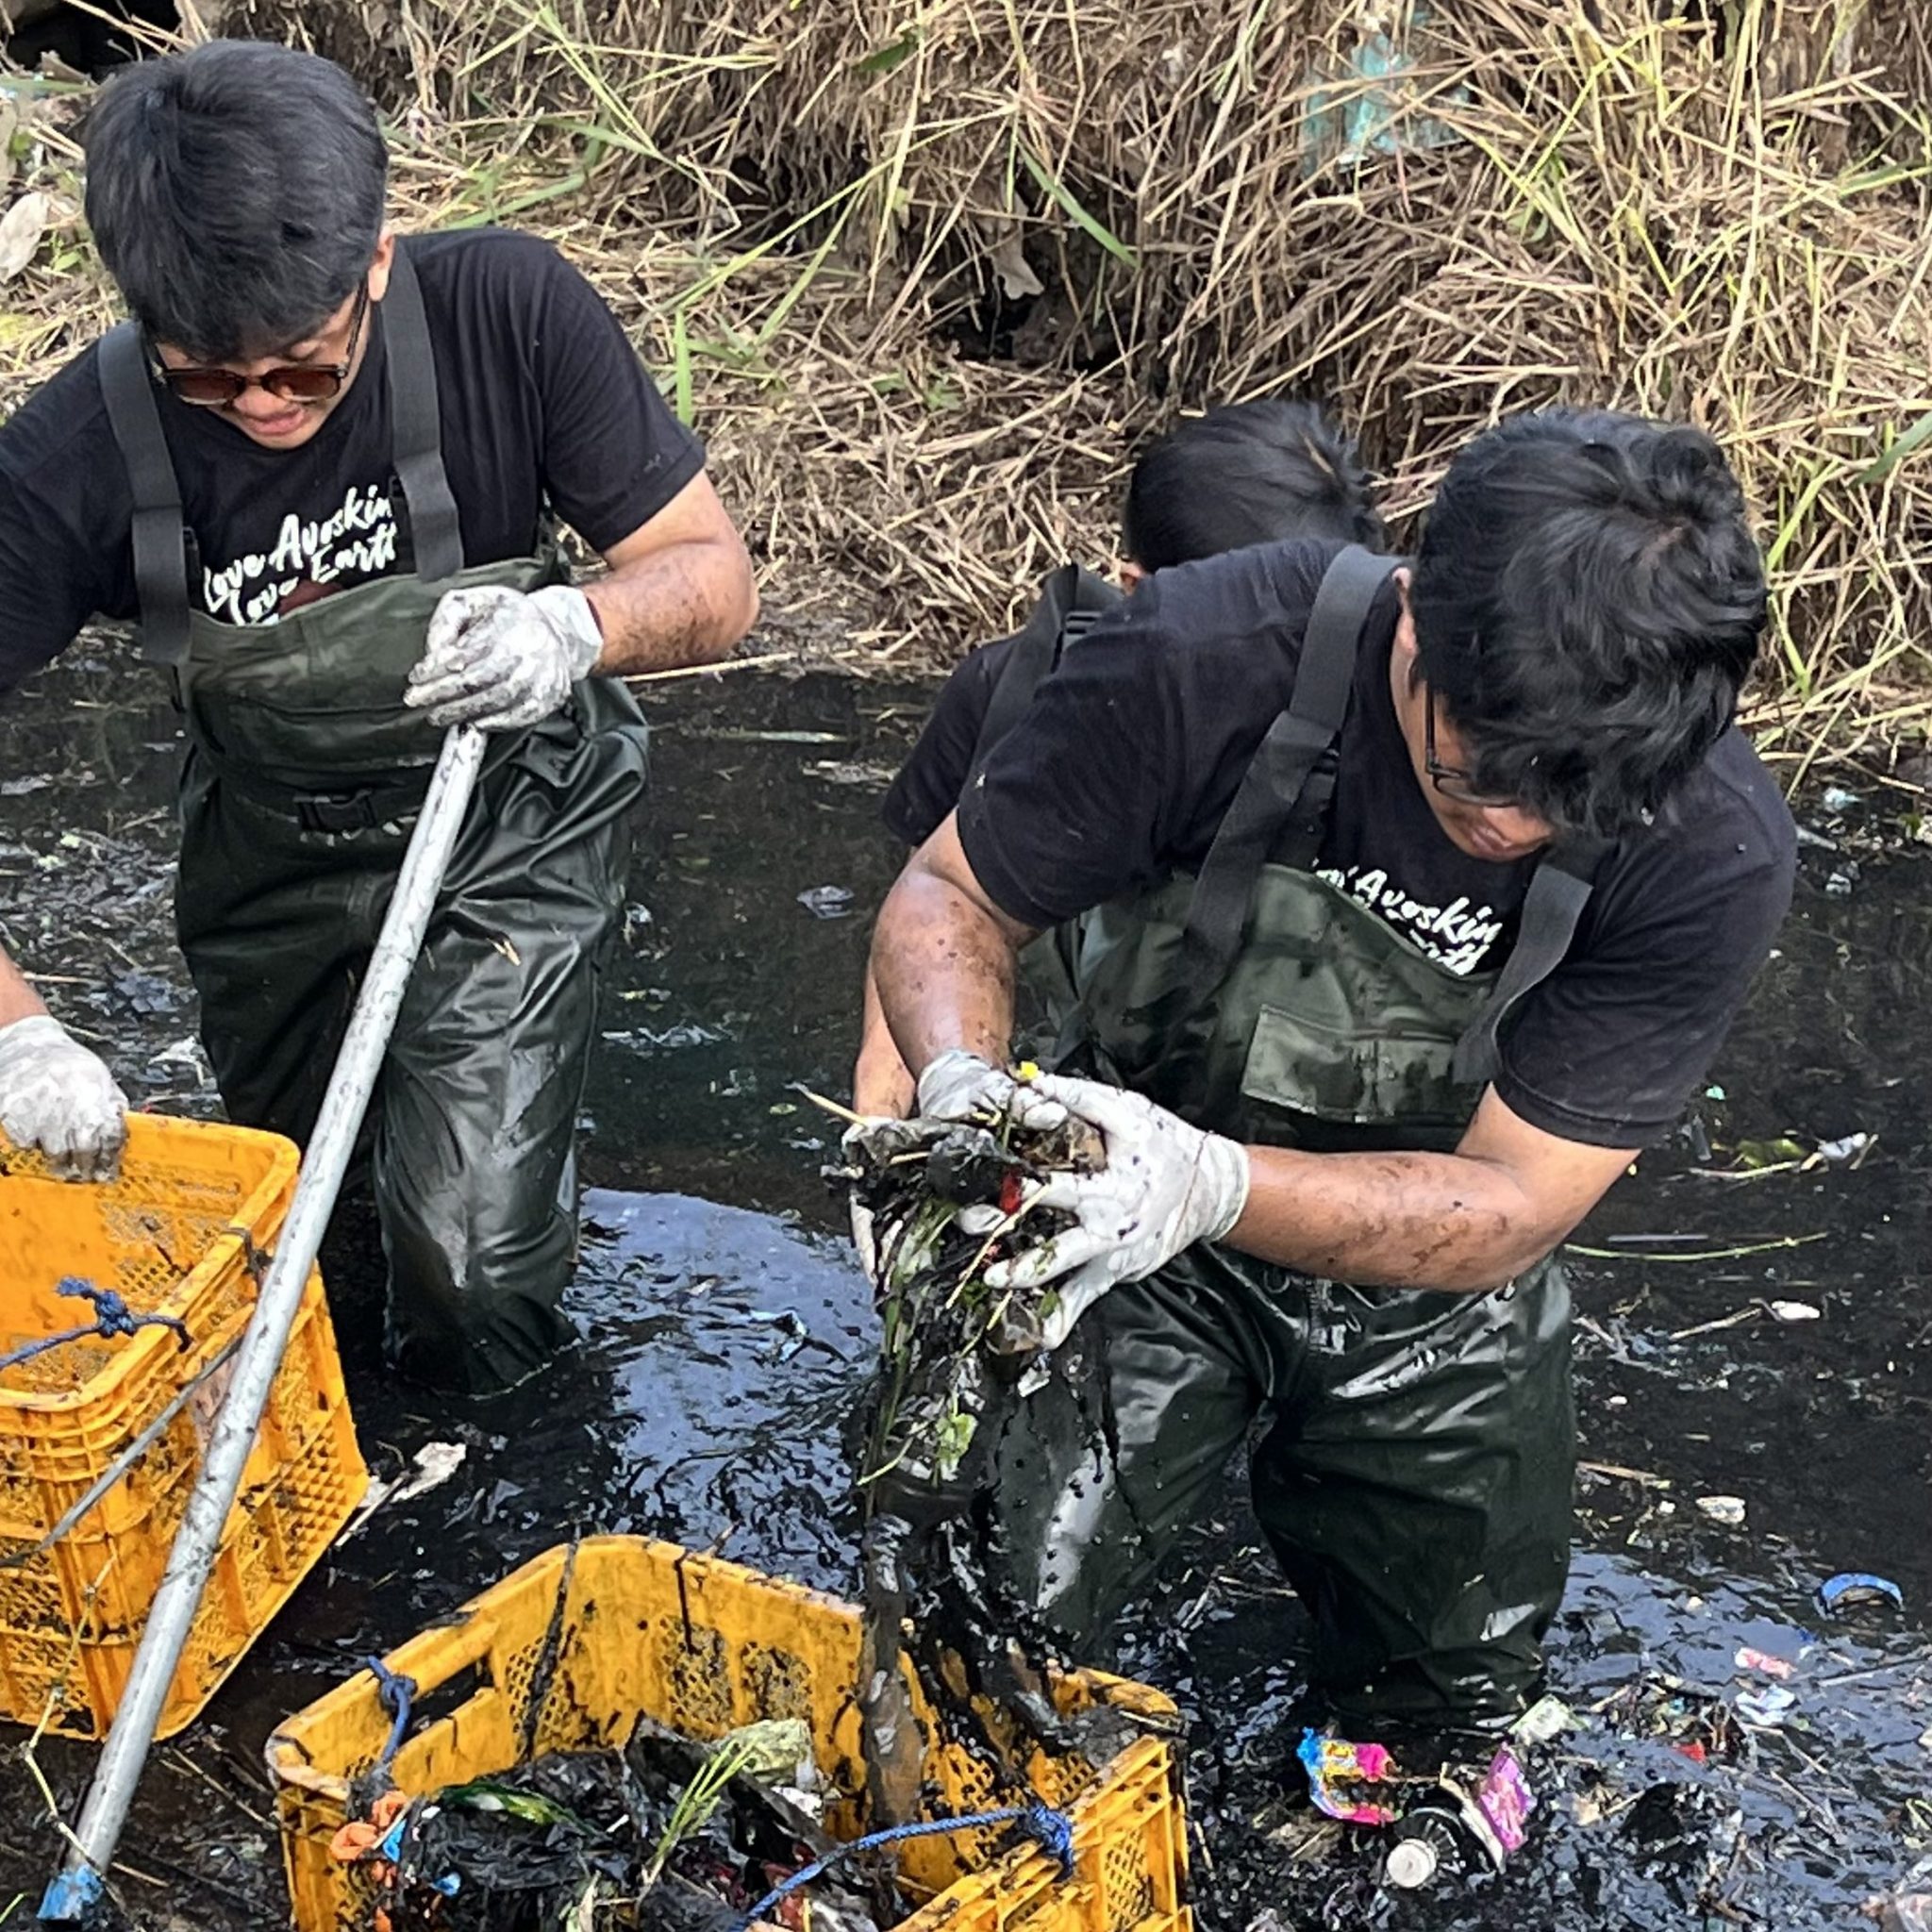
(1242,475)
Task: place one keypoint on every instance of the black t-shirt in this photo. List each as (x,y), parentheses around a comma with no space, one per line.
(543,404)
(936,770)
(1123,767)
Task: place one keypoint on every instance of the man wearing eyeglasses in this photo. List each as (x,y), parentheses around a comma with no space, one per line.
(1413,901)
(323,467)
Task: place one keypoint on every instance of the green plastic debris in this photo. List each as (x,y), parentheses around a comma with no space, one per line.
(1352,122)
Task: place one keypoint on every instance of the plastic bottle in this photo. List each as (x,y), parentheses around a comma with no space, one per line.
(1429,1840)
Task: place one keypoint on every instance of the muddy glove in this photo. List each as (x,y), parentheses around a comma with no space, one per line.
(1165,1186)
(960,1086)
(504,659)
(57,1096)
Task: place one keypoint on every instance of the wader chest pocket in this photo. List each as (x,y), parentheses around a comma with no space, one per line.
(1305,1066)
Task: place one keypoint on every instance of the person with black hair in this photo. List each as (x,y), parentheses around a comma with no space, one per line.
(1415,901)
(1244,474)
(323,466)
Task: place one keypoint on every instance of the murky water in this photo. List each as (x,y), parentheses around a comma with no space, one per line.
(724,1335)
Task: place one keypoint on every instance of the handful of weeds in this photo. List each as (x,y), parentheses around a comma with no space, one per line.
(946,1201)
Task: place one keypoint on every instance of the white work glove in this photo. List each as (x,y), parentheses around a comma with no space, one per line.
(865,1240)
(503,659)
(54,1095)
(1165,1186)
(960,1086)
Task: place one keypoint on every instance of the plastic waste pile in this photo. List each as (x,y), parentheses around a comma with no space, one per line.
(1428,1813)
(666,1834)
(1452,1821)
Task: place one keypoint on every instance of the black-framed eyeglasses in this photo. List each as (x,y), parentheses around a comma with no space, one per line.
(291,382)
(1451,780)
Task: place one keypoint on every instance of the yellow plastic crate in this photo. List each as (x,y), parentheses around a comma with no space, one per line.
(566,1655)
(180,1233)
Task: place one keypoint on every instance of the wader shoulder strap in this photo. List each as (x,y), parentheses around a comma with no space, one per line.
(1559,891)
(1291,775)
(160,546)
(416,426)
(1072,602)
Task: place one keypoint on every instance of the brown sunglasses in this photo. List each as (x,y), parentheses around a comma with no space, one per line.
(292,382)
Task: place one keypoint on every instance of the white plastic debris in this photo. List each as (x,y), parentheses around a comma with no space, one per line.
(1547,1718)
(436,1463)
(1729,1509)
(1766,1710)
(1848,1147)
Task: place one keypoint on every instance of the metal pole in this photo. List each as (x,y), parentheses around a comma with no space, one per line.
(81,1881)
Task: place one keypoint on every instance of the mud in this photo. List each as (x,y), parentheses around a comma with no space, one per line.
(724,1335)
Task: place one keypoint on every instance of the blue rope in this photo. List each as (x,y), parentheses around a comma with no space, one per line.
(112,1316)
(398,1696)
(1053,1831)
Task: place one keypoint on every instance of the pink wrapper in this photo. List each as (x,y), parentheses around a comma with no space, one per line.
(1507,1801)
(1333,1761)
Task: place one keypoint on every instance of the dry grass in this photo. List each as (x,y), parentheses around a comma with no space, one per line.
(818,217)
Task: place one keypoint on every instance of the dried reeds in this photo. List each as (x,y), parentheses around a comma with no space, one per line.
(923,274)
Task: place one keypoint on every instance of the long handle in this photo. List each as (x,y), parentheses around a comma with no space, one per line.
(179,1598)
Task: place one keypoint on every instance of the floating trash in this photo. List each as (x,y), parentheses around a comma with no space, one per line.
(1765,1664)
(826,902)
(1853,1589)
(1547,1718)
(1795,1311)
(1334,1763)
(1846,1148)
(1505,1801)
(1725,1509)
(1431,1838)
(672,1038)
(1766,1710)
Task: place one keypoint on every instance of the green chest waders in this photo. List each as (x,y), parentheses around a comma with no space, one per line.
(304,775)
(1414,1474)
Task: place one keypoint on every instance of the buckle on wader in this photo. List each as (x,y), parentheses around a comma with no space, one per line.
(354,813)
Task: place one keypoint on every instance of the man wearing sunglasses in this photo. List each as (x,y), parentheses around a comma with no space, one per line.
(1414,901)
(323,467)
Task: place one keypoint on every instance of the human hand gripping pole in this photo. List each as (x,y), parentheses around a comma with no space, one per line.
(79,1886)
(57,1096)
(1165,1186)
(504,659)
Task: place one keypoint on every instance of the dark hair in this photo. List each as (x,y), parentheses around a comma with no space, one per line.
(236,192)
(1587,601)
(1251,473)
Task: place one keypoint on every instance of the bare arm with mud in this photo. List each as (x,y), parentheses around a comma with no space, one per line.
(1466,1221)
(680,591)
(881,1082)
(942,958)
